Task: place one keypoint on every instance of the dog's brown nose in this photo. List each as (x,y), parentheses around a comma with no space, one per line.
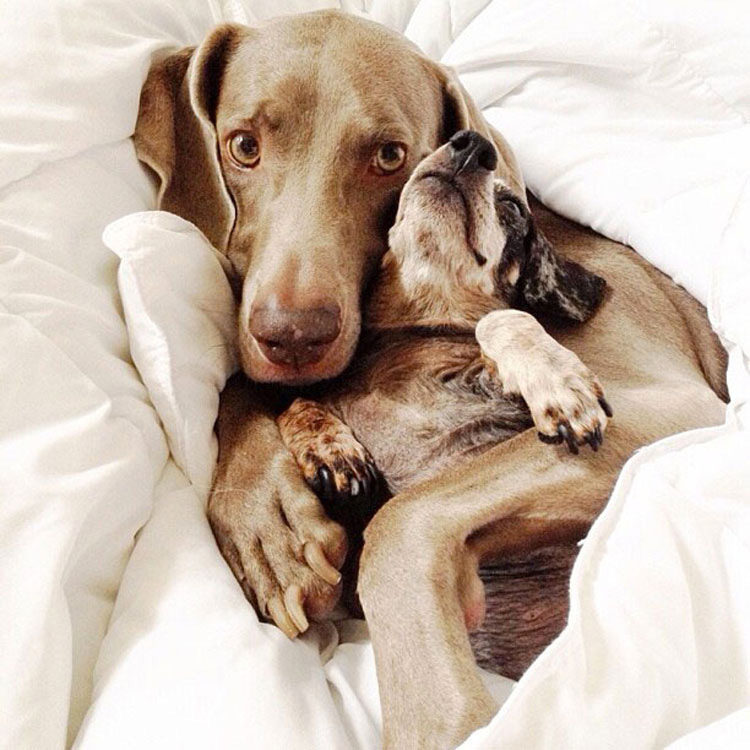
(295,337)
(470,151)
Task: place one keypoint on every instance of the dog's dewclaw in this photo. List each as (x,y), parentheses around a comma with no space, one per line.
(293,600)
(281,617)
(316,559)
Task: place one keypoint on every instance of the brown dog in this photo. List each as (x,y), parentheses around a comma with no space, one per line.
(288,146)
(421,395)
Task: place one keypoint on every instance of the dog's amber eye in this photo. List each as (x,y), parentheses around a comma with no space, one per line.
(390,157)
(244,149)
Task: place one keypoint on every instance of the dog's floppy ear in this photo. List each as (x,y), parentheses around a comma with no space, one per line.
(533,276)
(460,112)
(176,137)
(554,285)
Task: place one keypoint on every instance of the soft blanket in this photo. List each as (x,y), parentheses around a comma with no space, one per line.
(120,625)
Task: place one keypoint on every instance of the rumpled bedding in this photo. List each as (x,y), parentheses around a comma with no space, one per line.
(120,625)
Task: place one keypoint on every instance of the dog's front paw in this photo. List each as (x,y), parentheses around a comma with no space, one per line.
(564,397)
(343,475)
(283,550)
(567,403)
(334,463)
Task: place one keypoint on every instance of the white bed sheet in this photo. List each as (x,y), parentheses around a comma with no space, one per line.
(631,118)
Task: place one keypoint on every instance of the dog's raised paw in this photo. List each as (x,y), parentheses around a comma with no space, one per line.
(568,406)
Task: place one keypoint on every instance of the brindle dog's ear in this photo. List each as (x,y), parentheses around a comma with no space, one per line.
(533,276)
(554,285)
(176,137)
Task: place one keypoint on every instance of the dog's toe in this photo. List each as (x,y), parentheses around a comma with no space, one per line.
(349,486)
(571,409)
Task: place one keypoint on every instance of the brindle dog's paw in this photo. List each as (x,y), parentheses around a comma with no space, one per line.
(564,397)
(341,476)
(334,463)
(567,403)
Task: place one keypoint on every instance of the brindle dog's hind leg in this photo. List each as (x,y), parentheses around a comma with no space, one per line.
(420,548)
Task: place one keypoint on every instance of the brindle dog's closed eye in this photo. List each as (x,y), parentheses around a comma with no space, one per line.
(428,271)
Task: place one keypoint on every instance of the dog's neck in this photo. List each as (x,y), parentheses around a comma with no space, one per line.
(429,302)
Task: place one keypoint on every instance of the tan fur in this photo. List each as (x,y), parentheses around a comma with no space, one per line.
(300,232)
(308,229)
(308,226)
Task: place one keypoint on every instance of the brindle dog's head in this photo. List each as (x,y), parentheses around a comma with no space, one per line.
(288,146)
(464,243)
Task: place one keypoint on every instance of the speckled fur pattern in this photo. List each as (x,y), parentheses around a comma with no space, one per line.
(422,399)
(466,347)
(565,398)
(334,463)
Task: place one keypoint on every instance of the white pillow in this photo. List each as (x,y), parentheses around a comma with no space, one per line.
(181,318)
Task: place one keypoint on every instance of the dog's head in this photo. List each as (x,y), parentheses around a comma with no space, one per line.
(288,146)
(464,242)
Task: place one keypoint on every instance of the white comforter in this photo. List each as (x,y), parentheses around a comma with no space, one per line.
(120,625)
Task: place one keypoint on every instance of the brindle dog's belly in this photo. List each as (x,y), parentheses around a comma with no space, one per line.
(418,441)
(422,405)
(527,608)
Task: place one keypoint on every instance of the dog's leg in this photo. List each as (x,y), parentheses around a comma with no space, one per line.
(334,463)
(564,397)
(416,562)
(271,529)
(423,545)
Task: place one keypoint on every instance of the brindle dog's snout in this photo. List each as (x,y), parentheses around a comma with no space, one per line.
(295,337)
(470,151)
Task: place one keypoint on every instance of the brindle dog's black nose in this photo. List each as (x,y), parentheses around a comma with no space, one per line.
(471,151)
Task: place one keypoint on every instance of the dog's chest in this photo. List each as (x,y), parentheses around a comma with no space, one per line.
(420,406)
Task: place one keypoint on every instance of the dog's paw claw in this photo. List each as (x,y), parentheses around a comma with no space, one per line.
(347,484)
(335,465)
(322,483)
(549,439)
(318,562)
(568,407)
(294,600)
(595,438)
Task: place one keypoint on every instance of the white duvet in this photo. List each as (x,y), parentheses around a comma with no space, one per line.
(120,625)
